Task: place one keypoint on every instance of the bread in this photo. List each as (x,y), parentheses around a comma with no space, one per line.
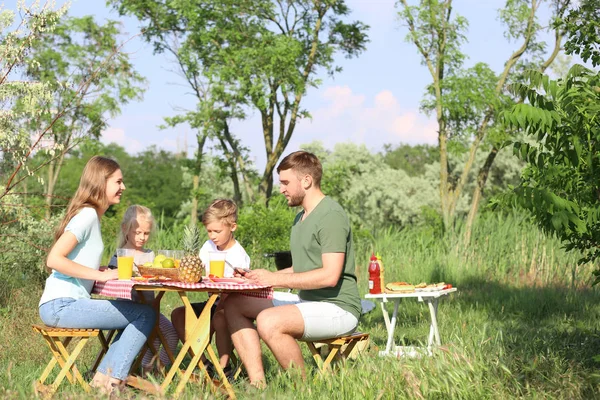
(437,286)
(399,287)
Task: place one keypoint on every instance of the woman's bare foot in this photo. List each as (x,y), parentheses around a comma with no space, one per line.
(105,384)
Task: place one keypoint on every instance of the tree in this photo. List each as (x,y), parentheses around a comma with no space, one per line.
(15,144)
(259,54)
(70,54)
(29,117)
(409,158)
(374,194)
(583,31)
(210,120)
(560,185)
(32,110)
(466,102)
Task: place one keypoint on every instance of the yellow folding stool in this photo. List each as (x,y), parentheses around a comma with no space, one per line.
(58,340)
(338,348)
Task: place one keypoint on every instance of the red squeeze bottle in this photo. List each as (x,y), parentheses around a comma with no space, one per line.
(374,276)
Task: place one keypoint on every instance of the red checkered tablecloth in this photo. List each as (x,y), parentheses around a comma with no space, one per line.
(122,289)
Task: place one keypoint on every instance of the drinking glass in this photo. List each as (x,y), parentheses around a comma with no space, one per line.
(125,263)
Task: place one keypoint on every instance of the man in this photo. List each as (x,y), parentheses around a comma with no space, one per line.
(323,270)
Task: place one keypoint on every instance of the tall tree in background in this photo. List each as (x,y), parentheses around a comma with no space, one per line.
(466,102)
(560,186)
(559,7)
(64,57)
(40,105)
(16,39)
(261,55)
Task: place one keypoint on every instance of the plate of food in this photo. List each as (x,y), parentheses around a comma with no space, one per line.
(433,287)
(225,280)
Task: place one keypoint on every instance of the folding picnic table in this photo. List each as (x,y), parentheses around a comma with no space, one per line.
(429,297)
(197,329)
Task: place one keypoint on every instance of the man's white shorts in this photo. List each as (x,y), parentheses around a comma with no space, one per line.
(322,320)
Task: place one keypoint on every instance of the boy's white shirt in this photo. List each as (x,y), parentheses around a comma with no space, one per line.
(236,256)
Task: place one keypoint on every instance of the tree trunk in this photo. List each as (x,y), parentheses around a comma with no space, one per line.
(201,138)
(238,165)
(49,190)
(482,177)
(194,214)
(265,188)
(233,171)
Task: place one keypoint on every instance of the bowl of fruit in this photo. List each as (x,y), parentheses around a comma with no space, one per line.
(180,265)
(163,266)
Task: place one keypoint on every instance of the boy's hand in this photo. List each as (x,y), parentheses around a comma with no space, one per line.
(240,271)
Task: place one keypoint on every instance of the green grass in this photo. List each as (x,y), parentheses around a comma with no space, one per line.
(522,325)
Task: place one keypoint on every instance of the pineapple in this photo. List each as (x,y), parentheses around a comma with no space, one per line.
(190,267)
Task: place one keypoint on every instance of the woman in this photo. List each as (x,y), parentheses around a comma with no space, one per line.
(75,260)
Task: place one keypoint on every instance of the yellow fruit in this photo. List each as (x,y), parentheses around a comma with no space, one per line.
(157,264)
(159,258)
(168,263)
(148,264)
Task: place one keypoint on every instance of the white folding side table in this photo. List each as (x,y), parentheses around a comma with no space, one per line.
(429,297)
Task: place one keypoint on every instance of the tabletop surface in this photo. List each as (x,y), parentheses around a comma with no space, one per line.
(421,294)
(122,288)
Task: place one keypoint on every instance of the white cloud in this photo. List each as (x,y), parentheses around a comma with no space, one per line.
(117,135)
(348,116)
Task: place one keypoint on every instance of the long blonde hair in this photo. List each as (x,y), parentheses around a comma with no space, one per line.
(131,215)
(91,191)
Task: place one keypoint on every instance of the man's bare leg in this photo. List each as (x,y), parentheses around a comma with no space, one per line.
(280,327)
(240,312)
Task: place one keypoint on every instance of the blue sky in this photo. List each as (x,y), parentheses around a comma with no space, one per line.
(374,100)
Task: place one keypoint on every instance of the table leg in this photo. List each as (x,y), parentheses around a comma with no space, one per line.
(391,327)
(215,360)
(197,337)
(434,333)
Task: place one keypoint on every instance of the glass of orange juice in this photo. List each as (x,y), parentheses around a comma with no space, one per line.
(177,256)
(217,263)
(125,263)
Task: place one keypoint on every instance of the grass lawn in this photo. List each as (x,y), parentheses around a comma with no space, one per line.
(523,324)
(499,341)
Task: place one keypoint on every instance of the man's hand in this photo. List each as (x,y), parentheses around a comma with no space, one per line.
(108,275)
(262,277)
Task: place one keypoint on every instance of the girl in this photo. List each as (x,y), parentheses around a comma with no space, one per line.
(136,227)
(75,260)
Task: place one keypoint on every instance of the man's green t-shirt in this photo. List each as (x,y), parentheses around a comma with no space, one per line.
(326,230)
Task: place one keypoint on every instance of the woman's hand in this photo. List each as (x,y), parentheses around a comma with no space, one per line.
(108,275)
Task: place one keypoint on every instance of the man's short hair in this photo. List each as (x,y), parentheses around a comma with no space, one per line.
(304,163)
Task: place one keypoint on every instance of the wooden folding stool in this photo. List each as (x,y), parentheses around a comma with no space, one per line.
(58,340)
(336,349)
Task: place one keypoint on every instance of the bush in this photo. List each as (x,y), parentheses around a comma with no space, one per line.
(23,249)
(262,229)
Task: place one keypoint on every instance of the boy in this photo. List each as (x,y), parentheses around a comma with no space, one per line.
(220,221)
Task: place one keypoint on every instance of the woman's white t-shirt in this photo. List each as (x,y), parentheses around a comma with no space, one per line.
(235,257)
(85,225)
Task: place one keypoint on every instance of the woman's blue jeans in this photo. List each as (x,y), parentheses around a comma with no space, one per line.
(133,320)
